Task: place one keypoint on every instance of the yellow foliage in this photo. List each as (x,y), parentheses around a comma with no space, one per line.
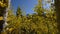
(1,18)
(2,4)
(11,29)
(8,19)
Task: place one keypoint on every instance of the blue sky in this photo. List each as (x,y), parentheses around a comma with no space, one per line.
(26,5)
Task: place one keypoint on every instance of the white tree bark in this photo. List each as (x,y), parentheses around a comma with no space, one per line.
(6,14)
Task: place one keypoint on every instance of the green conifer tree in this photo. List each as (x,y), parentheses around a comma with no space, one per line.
(19,12)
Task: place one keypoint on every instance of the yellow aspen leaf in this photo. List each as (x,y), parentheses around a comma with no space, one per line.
(1,18)
(11,29)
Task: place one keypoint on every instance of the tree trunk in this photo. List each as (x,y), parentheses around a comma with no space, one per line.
(1,25)
(57,6)
(6,14)
(3,22)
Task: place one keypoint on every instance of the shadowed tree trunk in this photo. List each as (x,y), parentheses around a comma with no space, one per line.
(4,13)
(57,6)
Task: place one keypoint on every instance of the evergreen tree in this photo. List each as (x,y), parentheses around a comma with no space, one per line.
(19,12)
(38,8)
